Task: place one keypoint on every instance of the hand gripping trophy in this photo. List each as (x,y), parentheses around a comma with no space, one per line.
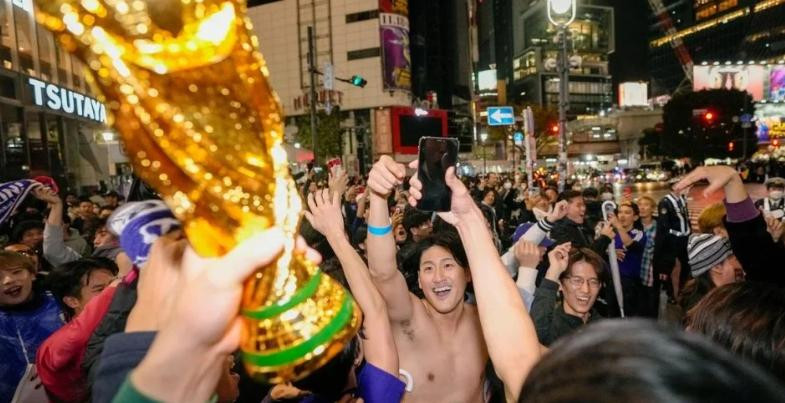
(187,90)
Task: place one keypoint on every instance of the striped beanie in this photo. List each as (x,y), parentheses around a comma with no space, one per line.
(706,251)
(139,224)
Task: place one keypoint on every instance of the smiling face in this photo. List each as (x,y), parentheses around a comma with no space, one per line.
(442,279)
(627,216)
(580,287)
(92,284)
(576,210)
(16,285)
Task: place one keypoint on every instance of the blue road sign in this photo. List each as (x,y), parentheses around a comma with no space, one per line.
(501,116)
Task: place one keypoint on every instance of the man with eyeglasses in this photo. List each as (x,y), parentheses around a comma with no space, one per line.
(579,274)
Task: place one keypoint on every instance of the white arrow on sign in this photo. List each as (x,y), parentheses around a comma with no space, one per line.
(499,116)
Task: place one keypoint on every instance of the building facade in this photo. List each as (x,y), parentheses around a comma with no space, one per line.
(713,30)
(412,54)
(49,124)
(534,73)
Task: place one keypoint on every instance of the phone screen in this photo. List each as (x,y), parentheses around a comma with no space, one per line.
(436,155)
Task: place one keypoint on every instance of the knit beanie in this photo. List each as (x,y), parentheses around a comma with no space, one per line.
(706,251)
(139,224)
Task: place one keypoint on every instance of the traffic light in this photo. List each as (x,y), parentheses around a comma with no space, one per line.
(555,129)
(731,147)
(709,117)
(775,142)
(358,81)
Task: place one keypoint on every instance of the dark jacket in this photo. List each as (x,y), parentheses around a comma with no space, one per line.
(581,236)
(550,320)
(122,352)
(113,322)
(758,254)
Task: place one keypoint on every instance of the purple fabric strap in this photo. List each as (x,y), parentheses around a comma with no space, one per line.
(379,386)
(742,211)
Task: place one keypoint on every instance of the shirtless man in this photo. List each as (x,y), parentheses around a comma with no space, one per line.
(443,342)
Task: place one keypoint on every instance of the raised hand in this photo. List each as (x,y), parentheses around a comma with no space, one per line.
(558,260)
(338,180)
(558,212)
(385,175)
(46,194)
(527,254)
(719,177)
(325,213)
(461,202)
(607,230)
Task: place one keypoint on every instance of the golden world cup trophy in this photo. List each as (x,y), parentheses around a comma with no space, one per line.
(187,89)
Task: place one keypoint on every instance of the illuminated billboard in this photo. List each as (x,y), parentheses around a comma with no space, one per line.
(751,78)
(770,120)
(777,83)
(633,94)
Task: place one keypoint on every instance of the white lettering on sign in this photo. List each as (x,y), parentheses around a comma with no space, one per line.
(62,99)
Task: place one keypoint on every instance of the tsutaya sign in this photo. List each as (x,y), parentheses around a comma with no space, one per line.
(64,100)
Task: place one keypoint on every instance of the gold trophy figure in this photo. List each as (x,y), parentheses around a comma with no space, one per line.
(187,90)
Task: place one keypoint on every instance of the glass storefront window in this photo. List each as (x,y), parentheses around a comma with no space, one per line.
(14,143)
(38,158)
(6,37)
(54,140)
(46,54)
(25,40)
(63,66)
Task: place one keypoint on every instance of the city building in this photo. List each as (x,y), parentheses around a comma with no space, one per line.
(535,49)
(413,55)
(49,124)
(712,30)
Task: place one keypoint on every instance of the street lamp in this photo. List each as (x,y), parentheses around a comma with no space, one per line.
(483,137)
(561,13)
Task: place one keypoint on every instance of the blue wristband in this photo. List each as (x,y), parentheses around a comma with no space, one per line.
(379,231)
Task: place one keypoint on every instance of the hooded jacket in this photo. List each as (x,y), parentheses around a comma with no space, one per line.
(23,329)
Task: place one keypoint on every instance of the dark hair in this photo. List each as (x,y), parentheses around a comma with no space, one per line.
(589,256)
(591,192)
(413,218)
(635,209)
(329,381)
(695,290)
(748,319)
(446,240)
(486,191)
(85,199)
(638,360)
(24,226)
(569,195)
(66,280)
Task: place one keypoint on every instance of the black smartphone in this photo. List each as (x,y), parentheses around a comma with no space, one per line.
(435,156)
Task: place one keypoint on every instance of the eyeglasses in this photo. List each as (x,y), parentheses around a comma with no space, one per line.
(577,282)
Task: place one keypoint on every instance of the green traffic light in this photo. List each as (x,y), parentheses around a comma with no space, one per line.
(358,81)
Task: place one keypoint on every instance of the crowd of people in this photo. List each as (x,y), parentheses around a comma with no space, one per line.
(515,294)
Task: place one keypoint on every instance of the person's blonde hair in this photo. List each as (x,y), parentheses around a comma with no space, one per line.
(10,259)
(648,199)
(711,217)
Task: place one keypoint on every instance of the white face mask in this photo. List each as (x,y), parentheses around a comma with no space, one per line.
(775,194)
(607,196)
(507,185)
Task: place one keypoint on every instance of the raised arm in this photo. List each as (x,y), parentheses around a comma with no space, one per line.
(55,250)
(507,328)
(379,345)
(382,264)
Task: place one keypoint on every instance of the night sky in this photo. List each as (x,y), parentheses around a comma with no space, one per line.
(629,62)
